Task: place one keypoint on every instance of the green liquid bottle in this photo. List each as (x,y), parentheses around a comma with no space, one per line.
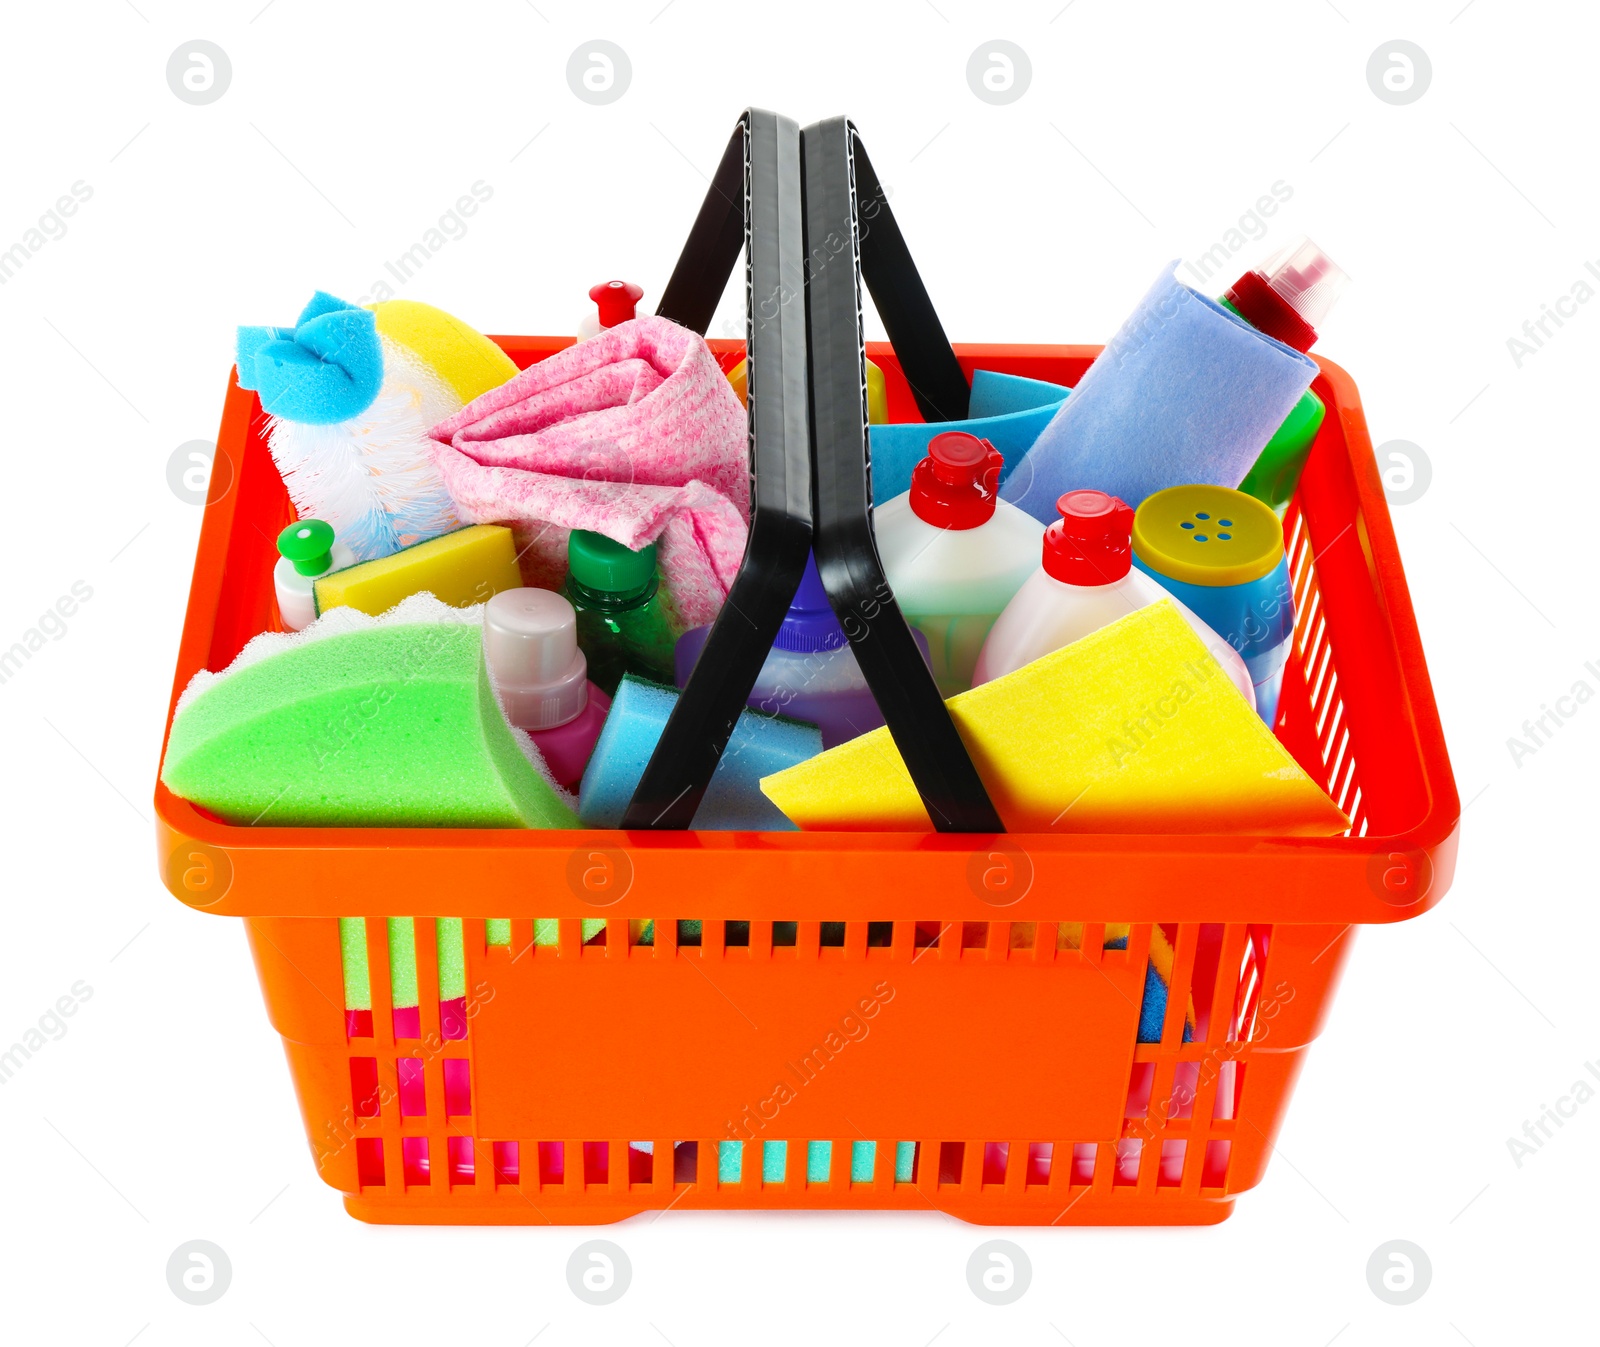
(622,623)
(1287,297)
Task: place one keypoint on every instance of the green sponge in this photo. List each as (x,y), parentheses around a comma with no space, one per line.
(403,994)
(353,956)
(452,958)
(360,722)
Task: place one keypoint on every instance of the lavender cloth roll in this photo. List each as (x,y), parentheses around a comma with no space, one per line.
(1185,392)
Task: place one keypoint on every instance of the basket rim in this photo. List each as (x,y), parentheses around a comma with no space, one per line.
(1268,875)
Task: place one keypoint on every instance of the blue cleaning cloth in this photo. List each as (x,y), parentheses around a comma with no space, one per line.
(1185,392)
(1006,409)
(1153,1008)
(760,746)
(325,369)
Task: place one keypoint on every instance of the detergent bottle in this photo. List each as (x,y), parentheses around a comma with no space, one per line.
(1087,581)
(954,553)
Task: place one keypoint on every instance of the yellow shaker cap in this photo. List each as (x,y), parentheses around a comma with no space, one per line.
(1207,535)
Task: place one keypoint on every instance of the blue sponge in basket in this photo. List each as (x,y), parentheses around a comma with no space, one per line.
(760,746)
(1186,392)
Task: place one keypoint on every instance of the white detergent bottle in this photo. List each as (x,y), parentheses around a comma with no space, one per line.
(614,302)
(954,553)
(307,550)
(1087,581)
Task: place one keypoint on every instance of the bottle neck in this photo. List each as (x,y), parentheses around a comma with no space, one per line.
(613,601)
(1267,311)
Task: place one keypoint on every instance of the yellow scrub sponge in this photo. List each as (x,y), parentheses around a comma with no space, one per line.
(468,566)
(462,356)
(1133,729)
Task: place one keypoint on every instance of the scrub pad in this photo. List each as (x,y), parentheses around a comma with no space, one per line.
(468,566)
(760,745)
(1185,392)
(1005,409)
(459,355)
(360,722)
(1134,728)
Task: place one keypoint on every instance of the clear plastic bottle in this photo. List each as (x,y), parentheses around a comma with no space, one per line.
(1087,581)
(530,642)
(622,624)
(811,673)
(954,553)
(307,549)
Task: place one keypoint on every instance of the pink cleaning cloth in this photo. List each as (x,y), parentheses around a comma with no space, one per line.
(635,433)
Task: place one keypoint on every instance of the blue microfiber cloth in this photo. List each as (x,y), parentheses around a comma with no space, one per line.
(760,746)
(1005,409)
(1185,392)
(1153,1009)
(327,368)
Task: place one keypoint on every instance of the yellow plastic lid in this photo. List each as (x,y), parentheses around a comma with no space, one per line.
(1207,535)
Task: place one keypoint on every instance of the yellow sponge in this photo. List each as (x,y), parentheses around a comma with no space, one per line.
(1135,728)
(468,566)
(462,356)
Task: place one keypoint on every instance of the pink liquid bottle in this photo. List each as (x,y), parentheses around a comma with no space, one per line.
(530,640)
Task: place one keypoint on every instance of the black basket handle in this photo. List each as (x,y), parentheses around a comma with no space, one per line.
(755,204)
(837,177)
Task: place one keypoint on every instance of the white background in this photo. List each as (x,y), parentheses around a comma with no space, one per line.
(166,1114)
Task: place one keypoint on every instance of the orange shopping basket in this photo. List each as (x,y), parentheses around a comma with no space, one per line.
(667,1018)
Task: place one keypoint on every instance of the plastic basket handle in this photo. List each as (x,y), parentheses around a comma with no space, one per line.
(754,203)
(836,175)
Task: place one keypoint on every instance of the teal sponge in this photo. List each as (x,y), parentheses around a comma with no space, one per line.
(360,722)
(760,745)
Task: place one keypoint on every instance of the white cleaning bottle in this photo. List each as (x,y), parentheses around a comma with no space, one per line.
(614,302)
(307,550)
(1087,581)
(954,553)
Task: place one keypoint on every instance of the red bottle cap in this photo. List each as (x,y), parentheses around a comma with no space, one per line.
(955,486)
(1267,311)
(1089,544)
(616,300)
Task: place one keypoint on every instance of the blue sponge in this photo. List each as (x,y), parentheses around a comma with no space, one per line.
(760,746)
(325,369)
(1005,409)
(1185,392)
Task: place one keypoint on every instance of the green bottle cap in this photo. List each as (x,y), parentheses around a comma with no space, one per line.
(599,563)
(308,543)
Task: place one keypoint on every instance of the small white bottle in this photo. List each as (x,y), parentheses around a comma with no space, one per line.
(614,302)
(307,549)
(954,553)
(1087,581)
